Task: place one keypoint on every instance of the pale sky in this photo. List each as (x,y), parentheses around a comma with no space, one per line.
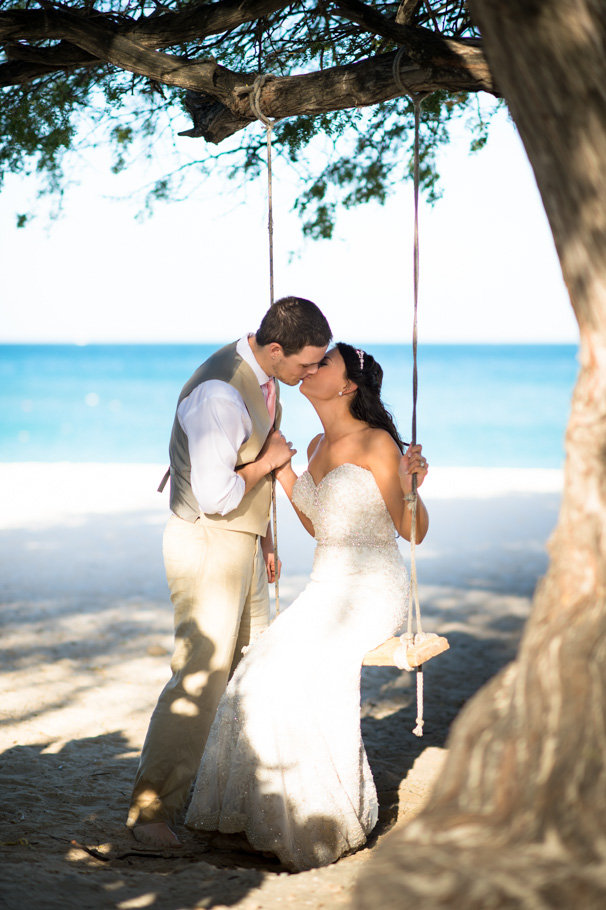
(197,271)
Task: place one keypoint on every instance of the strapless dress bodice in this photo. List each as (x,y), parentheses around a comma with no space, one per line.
(346,508)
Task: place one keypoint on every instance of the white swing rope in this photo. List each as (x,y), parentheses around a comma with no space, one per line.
(255,103)
(255,98)
(417,98)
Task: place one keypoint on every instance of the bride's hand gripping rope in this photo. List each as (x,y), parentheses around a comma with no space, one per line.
(413,462)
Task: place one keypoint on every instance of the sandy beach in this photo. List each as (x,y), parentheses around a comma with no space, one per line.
(86,641)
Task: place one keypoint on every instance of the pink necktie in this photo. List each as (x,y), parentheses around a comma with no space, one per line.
(269,392)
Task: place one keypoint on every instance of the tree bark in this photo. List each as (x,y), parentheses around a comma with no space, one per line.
(518,818)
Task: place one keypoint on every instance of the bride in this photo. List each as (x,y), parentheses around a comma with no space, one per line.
(284,763)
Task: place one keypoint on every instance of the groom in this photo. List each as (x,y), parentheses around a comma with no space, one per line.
(218,548)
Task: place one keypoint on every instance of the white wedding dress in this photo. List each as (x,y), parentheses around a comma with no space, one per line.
(284,763)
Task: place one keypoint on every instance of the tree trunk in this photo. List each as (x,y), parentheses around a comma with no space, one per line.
(518,818)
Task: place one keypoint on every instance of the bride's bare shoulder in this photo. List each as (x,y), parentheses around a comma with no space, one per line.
(381,444)
(313,445)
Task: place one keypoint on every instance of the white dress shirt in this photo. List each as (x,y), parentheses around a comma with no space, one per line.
(216,422)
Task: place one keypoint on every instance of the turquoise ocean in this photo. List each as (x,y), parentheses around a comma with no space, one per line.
(478,405)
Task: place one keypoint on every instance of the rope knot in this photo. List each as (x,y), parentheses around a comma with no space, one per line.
(418,730)
(254,93)
(398,69)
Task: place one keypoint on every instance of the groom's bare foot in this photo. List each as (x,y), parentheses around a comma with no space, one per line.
(156,834)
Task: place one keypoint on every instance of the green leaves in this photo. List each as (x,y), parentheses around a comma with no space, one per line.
(372,158)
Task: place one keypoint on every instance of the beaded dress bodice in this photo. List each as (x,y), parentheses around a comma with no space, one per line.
(346,508)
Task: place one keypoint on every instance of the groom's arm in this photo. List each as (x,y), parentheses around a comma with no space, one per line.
(276,451)
(216,423)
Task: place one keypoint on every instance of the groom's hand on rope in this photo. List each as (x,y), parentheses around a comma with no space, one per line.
(276,451)
(412,462)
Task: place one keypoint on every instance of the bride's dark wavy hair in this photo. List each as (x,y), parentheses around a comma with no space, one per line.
(365,403)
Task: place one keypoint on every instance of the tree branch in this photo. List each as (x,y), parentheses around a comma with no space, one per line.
(424,46)
(372,21)
(111,47)
(406,11)
(221,104)
(195,23)
(341,87)
(26,63)
(191,24)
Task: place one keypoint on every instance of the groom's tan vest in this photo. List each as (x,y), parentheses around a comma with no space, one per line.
(253,512)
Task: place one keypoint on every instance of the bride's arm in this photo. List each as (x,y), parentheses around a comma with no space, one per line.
(287,477)
(393,473)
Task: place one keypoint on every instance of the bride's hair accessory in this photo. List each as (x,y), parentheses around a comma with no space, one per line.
(361,357)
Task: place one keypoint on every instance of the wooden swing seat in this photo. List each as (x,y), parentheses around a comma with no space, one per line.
(422,647)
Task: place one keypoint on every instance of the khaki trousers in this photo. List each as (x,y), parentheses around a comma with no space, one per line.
(218,586)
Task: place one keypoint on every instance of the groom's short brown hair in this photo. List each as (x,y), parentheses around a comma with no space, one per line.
(294,323)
